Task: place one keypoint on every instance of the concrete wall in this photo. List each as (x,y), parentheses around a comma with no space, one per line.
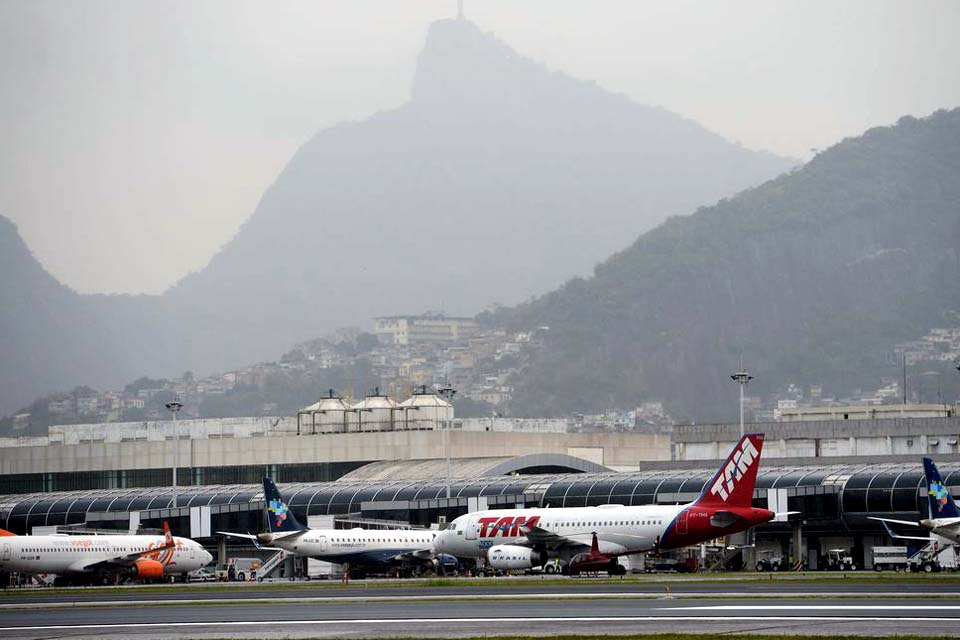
(825,439)
(622,451)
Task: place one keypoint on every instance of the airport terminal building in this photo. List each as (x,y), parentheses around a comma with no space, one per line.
(836,473)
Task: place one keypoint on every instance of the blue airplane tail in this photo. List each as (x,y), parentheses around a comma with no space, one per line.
(279,517)
(939,499)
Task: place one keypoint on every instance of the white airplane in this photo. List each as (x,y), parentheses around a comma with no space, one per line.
(944,516)
(408,549)
(591,538)
(90,559)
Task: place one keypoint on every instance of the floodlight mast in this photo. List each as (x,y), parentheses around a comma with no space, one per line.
(741,377)
(174,408)
(447,394)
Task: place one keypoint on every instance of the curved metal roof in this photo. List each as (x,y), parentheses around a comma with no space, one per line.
(468,467)
(881,488)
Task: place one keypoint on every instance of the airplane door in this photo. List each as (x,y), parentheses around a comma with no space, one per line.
(682,523)
(6,551)
(471,529)
(323,544)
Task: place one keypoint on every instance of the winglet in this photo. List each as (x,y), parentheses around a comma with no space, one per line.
(167,536)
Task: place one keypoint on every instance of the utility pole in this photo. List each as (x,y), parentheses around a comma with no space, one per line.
(174,408)
(741,377)
(447,394)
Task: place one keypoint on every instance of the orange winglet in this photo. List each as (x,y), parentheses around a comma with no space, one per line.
(4,532)
(168,538)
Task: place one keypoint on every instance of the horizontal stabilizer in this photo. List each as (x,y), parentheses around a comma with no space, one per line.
(243,536)
(906,522)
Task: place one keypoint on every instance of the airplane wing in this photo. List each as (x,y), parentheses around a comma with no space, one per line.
(128,559)
(553,541)
(419,554)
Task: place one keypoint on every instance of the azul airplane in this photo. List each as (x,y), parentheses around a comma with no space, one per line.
(944,516)
(85,559)
(591,538)
(408,549)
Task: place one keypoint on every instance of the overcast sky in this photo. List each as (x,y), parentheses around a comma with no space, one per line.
(135,137)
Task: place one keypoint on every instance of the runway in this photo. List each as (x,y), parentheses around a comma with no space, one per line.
(528,611)
(735,588)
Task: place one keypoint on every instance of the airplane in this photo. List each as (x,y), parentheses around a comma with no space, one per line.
(591,538)
(943,515)
(411,551)
(92,559)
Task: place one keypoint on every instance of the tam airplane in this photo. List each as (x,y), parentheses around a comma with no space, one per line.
(591,538)
(407,549)
(944,516)
(88,559)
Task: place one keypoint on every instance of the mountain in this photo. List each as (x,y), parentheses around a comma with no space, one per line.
(497,180)
(813,277)
(53,338)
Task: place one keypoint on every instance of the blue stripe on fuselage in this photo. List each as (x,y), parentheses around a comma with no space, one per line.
(378,556)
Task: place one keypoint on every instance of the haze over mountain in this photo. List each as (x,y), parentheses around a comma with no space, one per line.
(813,277)
(498,180)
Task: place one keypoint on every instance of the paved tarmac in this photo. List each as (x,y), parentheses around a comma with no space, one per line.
(527,611)
(216,591)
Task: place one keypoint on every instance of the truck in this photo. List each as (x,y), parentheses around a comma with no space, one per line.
(887,558)
(929,559)
(238,569)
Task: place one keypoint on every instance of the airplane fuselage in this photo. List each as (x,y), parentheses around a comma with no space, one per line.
(67,554)
(355,545)
(620,529)
(948,528)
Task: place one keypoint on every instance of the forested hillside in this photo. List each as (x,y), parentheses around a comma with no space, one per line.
(813,277)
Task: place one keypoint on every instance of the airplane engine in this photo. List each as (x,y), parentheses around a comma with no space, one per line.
(511,556)
(445,562)
(147,569)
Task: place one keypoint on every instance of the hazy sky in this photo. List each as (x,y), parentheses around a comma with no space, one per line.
(135,137)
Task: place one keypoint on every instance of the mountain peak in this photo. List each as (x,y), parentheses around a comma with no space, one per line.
(459,61)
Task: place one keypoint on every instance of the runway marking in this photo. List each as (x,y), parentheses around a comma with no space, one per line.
(615,595)
(511,620)
(814,607)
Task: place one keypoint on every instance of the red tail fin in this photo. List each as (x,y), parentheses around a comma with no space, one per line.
(732,486)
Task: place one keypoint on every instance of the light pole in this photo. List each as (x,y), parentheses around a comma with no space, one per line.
(742,378)
(956,402)
(447,394)
(174,407)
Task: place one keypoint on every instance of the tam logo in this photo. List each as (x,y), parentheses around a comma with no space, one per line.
(739,462)
(279,509)
(507,527)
